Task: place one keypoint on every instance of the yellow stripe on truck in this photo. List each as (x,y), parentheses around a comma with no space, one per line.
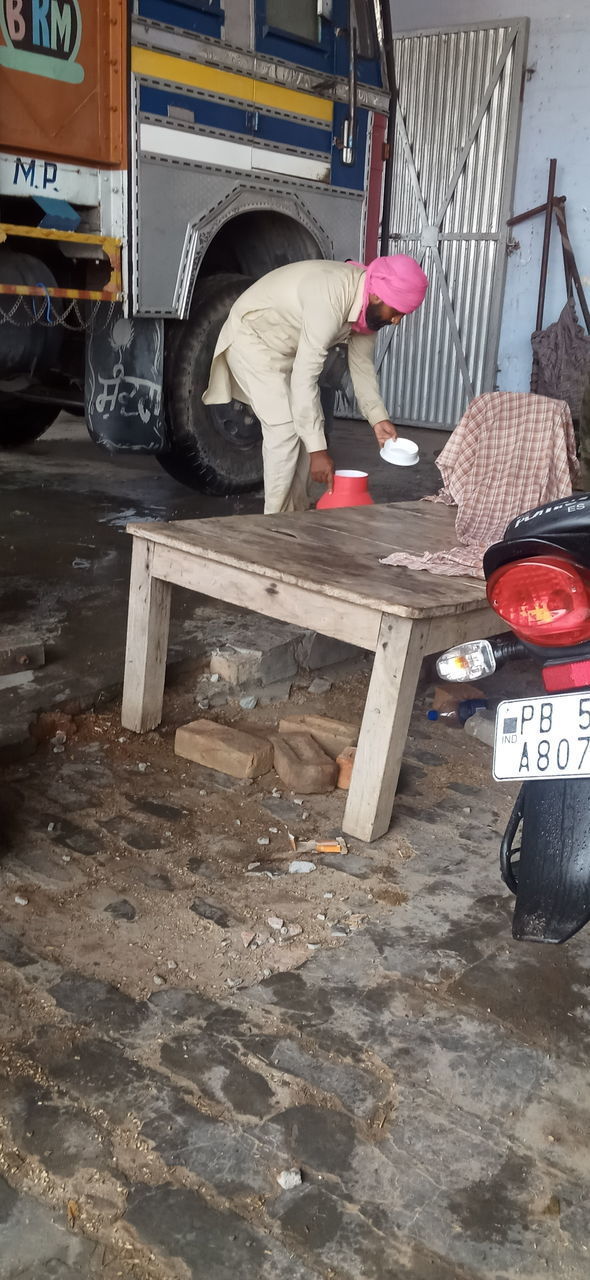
(162,66)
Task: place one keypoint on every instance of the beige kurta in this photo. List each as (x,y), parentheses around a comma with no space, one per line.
(271,352)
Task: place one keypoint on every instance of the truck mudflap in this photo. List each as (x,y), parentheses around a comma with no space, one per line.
(550,873)
(124,384)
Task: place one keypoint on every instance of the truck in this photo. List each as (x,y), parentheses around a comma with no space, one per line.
(154,161)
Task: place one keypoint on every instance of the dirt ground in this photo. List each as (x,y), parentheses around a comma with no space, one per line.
(161,832)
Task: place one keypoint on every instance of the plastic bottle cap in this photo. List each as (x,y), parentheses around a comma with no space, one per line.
(432,715)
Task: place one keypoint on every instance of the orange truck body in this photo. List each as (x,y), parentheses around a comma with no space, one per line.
(63,80)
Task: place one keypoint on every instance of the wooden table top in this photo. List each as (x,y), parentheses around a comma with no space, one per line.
(335,553)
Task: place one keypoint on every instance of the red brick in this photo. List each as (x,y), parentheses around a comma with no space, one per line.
(302,764)
(333,736)
(345,762)
(243,755)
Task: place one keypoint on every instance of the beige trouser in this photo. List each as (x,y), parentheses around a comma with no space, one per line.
(285,459)
(286,469)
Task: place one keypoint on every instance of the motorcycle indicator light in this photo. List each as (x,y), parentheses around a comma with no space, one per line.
(545,600)
(471,661)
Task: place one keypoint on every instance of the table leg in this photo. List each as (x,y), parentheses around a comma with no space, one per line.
(396,668)
(147,642)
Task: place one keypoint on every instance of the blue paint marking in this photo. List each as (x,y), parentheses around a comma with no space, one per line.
(273,129)
(192,15)
(251,123)
(350,175)
(59,215)
(214,115)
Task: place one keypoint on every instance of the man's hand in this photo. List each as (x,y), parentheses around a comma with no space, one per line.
(321,468)
(384,431)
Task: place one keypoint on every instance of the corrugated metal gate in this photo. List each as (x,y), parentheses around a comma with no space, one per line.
(455,152)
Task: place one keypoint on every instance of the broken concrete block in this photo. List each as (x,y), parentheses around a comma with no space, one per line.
(314,651)
(243,665)
(345,762)
(289,1178)
(243,755)
(334,736)
(302,764)
(237,666)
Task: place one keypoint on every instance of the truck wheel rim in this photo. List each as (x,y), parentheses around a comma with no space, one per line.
(237,424)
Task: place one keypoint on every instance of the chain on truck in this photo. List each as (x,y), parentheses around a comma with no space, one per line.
(153,164)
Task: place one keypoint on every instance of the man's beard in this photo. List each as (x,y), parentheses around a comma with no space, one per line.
(373,317)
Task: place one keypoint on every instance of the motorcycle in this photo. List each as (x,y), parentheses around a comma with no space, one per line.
(538,582)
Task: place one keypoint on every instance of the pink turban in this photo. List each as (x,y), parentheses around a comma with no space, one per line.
(398,280)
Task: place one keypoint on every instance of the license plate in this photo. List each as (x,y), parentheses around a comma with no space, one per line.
(543,738)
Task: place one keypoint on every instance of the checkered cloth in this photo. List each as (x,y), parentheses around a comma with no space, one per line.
(510,452)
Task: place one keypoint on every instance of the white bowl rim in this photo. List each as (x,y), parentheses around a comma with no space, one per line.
(403,444)
(399,457)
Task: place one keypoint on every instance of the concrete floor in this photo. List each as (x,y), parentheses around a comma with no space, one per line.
(426,1075)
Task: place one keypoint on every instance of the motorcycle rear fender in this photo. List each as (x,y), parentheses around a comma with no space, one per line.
(553,872)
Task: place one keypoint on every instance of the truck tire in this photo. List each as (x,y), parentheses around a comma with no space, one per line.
(21,421)
(214,448)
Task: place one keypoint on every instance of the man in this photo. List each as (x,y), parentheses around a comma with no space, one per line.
(272,348)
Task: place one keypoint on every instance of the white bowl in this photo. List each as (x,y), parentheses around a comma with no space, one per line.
(401,452)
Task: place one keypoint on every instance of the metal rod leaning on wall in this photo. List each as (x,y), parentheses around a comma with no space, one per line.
(388,184)
(547,209)
(558,205)
(544,265)
(569,261)
(546,244)
(551,203)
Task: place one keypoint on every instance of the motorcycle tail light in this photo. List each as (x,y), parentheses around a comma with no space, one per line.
(545,600)
(561,676)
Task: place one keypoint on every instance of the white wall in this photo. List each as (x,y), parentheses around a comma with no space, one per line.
(555,122)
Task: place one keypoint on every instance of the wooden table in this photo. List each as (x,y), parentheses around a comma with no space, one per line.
(319,570)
